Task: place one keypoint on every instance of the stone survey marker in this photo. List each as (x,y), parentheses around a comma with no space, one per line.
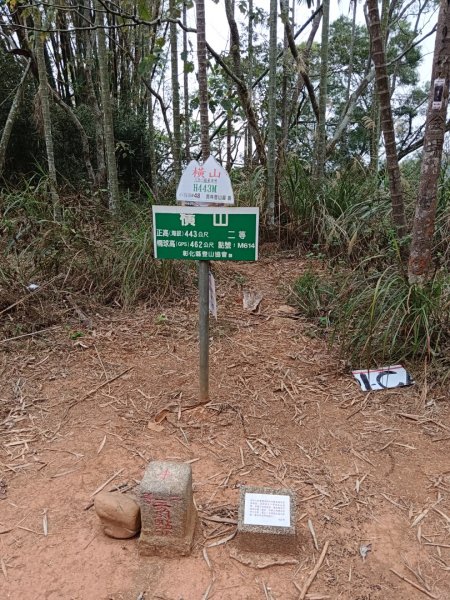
(168,515)
(266,522)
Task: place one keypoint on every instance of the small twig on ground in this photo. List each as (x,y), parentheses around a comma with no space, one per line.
(32,333)
(99,489)
(208,590)
(313,534)
(90,541)
(361,457)
(45,522)
(93,391)
(415,585)
(314,572)
(223,540)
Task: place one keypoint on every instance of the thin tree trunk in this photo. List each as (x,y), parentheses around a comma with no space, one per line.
(242,90)
(250,55)
(83,137)
(203,265)
(321,137)
(387,123)
(202,79)
(155,9)
(151,146)
(376,118)
(284,10)
(175,94)
(46,116)
(187,136)
(301,66)
(229,136)
(12,117)
(304,57)
(100,178)
(351,52)
(105,92)
(272,114)
(420,258)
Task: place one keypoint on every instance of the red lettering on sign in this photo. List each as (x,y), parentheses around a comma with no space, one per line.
(162,511)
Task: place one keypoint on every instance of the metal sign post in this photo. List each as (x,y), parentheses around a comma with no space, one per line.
(205,233)
(203,327)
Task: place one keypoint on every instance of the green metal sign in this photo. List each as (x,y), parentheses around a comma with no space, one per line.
(205,233)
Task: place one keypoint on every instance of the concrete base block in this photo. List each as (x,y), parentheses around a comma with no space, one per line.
(169,547)
(259,528)
(168,513)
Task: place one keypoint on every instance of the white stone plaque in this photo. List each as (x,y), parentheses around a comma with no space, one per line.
(205,184)
(267,509)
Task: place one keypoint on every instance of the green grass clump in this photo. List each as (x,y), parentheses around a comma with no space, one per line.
(376,317)
(103,257)
(379,317)
(313,295)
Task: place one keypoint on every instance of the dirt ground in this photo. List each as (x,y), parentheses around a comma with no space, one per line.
(367,469)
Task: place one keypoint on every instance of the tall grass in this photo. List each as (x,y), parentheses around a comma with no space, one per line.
(107,258)
(375,317)
(346,216)
(365,301)
(379,317)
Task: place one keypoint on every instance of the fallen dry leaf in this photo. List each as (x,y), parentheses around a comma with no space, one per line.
(155,427)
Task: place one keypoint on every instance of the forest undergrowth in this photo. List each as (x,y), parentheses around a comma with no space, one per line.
(355,291)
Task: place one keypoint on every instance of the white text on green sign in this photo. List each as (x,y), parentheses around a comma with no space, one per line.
(205,233)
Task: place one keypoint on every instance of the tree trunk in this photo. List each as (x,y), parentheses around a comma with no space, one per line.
(175,94)
(321,137)
(242,90)
(387,123)
(284,10)
(187,136)
(301,66)
(83,137)
(105,93)
(376,120)
(229,162)
(250,55)
(100,178)
(420,258)
(272,114)
(46,117)
(151,146)
(202,79)
(351,52)
(12,117)
(203,265)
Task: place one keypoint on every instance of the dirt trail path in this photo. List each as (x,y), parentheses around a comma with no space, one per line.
(283,413)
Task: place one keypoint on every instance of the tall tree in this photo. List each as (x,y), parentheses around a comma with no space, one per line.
(250,58)
(175,92)
(45,110)
(387,122)
(241,87)
(420,258)
(321,137)
(272,114)
(105,93)
(13,111)
(187,117)
(203,265)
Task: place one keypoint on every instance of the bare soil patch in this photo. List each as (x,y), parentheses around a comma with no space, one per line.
(367,469)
